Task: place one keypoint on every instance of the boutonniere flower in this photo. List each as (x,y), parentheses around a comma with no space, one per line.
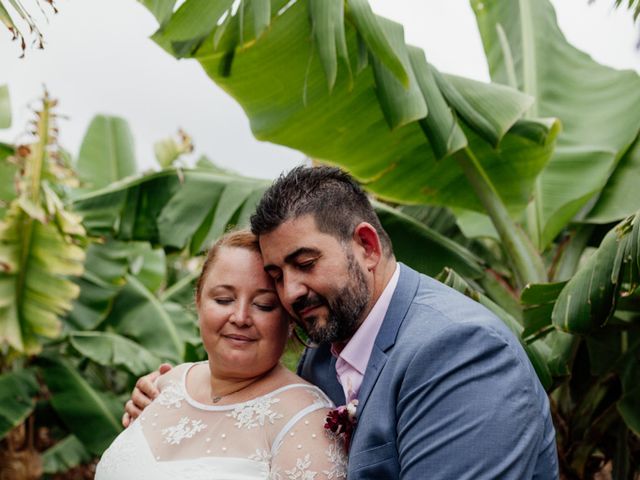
(342,421)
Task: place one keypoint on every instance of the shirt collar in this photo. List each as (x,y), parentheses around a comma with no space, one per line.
(358,350)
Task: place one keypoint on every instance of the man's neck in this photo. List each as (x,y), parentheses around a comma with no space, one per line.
(381,276)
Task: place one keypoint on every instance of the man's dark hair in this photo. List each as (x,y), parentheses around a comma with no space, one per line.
(334,199)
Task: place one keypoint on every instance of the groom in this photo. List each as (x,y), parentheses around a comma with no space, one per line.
(444,389)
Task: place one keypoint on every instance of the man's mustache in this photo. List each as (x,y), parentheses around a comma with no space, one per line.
(307,301)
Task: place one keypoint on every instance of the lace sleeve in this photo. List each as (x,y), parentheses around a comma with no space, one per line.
(308,451)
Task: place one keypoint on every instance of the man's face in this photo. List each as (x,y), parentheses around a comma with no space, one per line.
(319,280)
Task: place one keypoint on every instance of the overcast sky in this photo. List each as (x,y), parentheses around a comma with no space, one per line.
(99,59)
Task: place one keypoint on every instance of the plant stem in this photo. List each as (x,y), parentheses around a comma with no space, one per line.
(526,261)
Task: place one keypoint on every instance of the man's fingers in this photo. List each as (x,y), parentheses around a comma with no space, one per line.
(131,412)
(126,420)
(164,368)
(146,386)
(140,397)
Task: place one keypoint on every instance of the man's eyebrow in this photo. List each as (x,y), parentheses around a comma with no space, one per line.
(292,257)
(300,251)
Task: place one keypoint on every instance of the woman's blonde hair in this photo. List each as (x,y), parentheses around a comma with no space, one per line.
(236,238)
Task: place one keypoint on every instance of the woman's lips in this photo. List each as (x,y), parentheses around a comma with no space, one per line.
(239,338)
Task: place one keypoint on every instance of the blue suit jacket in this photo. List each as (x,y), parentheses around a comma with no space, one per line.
(448,394)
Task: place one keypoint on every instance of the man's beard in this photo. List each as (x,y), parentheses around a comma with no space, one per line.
(344,308)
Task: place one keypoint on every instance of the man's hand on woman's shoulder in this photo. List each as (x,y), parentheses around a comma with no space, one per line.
(143,394)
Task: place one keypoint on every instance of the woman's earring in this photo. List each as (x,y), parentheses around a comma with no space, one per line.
(291,328)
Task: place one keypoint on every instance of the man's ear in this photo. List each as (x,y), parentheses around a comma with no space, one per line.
(367,238)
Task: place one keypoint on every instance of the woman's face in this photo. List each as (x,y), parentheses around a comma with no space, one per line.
(243,326)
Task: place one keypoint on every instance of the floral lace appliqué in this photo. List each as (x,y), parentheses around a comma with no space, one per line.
(171,395)
(261,455)
(301,470)
(251,414)
(185,428)
(337,459)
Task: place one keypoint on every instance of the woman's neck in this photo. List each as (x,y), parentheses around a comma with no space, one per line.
(228,387)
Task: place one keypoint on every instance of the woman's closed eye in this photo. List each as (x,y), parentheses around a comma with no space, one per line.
(223,300)
(265,307)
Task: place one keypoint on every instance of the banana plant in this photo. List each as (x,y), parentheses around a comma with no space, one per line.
(35,288)
(356,95)
(123,315)
(535,166)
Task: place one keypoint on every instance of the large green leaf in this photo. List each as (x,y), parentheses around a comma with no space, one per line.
(348,125)
(110,349)
(161,9)
(172,215)
(599,107)
(17,398)
(36,260)
(620,196)
(148,264)
(106,265)
(8,171)
(92,416)
(423,248)
(64,455)
(327,18)
(170,208)
(629,403)
(107,152)
(5,107)
(589,299)
(191,23)
(162,328)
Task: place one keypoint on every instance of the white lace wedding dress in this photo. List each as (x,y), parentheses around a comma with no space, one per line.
(278,436)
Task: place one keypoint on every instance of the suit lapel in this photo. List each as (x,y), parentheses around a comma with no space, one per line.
(400,301)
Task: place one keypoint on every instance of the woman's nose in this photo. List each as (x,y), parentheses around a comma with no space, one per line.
(241,315)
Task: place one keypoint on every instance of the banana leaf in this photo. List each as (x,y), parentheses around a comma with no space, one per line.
(36,258)
(599,107)
(5,107)
(163,328)
(112,350)
(366,122)
(620,196)
(8,171)
(17,398)
(590,297)
(91,415)
(107,152)
(161,9)
(160,209)
(106,265)
(41,244)
(172,208)
(64,455)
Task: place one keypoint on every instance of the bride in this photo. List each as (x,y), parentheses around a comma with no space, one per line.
(240,414)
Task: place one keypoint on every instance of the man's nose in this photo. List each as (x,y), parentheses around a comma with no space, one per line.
(292,288)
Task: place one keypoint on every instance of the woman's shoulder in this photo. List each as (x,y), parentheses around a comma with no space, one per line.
(173,376)
(295,394)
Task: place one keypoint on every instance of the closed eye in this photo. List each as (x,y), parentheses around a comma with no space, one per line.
(307,264)
(265,307)
(223,301)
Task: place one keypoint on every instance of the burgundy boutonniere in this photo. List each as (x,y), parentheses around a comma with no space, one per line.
(342,421)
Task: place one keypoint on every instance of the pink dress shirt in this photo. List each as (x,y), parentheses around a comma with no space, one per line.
(352,360)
